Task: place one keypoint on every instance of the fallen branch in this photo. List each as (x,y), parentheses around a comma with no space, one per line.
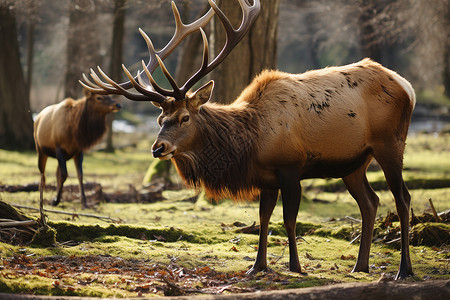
(69,213)
(355,239)
(353,219)
(393,241)
(15,227)
(17,223)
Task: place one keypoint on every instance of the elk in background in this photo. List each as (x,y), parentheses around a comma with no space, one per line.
(283,128)
(66,130)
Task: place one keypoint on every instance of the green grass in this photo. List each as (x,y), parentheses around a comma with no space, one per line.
(195,235)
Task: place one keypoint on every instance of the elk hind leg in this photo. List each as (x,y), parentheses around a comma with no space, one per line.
(368,201)
(291,193)
(61,175)
(78,159)
(268,200)
(392,168)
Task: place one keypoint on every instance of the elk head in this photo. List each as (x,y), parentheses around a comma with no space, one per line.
(101,103)
(179,106)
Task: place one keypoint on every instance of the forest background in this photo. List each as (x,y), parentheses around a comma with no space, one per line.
(46,46)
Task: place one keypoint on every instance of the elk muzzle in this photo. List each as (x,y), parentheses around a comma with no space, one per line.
(117,107)
(163,150)
(158,152)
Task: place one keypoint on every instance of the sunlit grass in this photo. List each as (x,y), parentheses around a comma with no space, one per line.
(207,234)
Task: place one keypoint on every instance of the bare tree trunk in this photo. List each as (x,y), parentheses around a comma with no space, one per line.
(446,65)
(310,20)
(16,124)
(30,52)
(370,43)
(256,52)
(116,60)
(82,44)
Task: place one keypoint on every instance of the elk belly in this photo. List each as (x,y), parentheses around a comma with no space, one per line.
(319,168)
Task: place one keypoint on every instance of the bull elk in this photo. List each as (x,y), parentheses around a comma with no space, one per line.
(282,128)
(66,130)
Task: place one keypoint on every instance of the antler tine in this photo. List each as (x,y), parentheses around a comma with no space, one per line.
(153,62)
(115,88)
(147,94)
(200,72)
(233,37)
(89,85)
(147,86)
(181,31)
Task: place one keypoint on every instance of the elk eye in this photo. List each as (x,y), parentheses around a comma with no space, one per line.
(185,119)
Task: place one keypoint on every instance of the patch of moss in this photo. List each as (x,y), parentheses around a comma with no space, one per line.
(45,236)
(157,169)
(430,234)
(344,232)
(301,228)
(4,288)
(324,232)
(70,231)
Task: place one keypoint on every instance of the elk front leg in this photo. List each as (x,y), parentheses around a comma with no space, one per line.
(61,175)
(78,159)
(291,193)
(267,202)
(42,161)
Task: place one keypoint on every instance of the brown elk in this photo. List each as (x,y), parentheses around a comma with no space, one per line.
(283,128)
(66,130)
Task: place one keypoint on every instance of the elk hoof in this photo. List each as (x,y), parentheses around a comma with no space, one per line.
(84,203)
(403,274)
(255,269)
(55,201)
(296,268)
(360,269)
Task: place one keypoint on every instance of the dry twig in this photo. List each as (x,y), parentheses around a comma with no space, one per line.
(70,213)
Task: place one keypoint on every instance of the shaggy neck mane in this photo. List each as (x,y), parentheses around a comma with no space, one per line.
(91,126)
(220,162)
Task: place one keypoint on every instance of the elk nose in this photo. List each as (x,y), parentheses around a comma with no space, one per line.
(158,151)
(118,106)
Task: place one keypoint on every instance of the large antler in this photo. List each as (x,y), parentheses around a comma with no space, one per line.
(146,86)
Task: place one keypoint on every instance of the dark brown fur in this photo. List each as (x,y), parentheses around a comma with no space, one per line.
(220,163)
(91,126)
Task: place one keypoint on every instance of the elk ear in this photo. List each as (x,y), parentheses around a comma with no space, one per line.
(87,93)
(202,95)
(157,104)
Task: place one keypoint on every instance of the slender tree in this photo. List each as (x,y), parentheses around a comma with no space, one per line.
(82,44)
(116,59)
(16,125)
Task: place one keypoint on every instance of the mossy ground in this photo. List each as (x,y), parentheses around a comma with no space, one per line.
(177,234)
